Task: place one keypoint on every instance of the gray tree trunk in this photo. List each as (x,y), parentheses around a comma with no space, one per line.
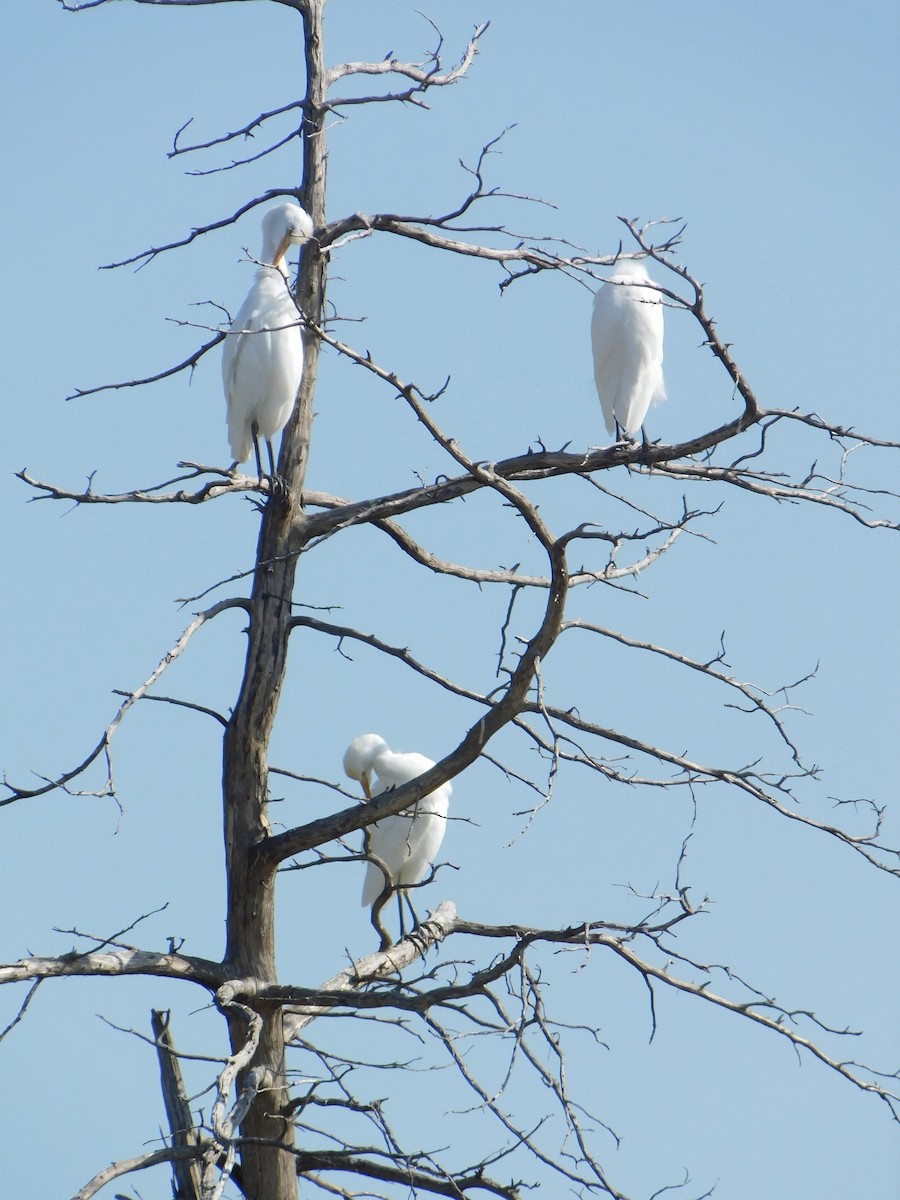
(267,1173)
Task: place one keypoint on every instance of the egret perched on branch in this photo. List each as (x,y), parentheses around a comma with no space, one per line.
(262,363)
(627,340)
(406,843)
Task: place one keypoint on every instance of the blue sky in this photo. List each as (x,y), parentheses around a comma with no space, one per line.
(770,129)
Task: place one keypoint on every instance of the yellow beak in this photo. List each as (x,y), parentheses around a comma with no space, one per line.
(366,788)
(282,250)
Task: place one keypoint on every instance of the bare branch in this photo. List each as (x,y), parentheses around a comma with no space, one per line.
(154,1157)
(405,1175)
(773,793)
(381,965)
(80,5)
(188,363)
(751,692)
(224,1123)
(147,256)
(189,704)
(832,495)
(103,746)
(814,421)
(401,653)
(169,965)
(22,1009)
(423,75)
(178,1110)
(246,131)
(227,482)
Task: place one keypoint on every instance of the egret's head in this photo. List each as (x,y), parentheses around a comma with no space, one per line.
(283,226)
(629,268)
(360,756)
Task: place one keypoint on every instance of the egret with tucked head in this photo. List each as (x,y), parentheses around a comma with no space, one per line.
(262,363)
(402,847)
(627,340)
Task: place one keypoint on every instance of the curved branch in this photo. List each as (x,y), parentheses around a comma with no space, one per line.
(246,131)
(275,849)
(418,1181)
(511,576)
(423,75)
(744,780)
(814,421)
(191,362)
(831,496)
(103,746)
(348,820)
(123,961)
(147,256)
(747,690)
(747,1009)
(401,653)
(719,348)
(152,1158)
(80,5)
(228,481)
(251,158)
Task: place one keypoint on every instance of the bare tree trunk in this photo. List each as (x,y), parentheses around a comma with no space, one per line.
(186,1173)
(268,1173)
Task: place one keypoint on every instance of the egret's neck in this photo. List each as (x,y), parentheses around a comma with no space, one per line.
(270,247)
(268,270)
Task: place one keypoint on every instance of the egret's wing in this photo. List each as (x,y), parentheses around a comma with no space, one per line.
(407,842)
(240,368)
(428,831)
(263,364)
(646,358)
(627,338)
(610,332)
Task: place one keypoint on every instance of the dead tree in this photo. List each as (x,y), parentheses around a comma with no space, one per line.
(456,976)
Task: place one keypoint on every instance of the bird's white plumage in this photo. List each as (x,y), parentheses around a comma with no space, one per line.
(627,341)
(262,362)
(408,842)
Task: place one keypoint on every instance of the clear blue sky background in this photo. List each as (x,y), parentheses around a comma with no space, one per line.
(771,129)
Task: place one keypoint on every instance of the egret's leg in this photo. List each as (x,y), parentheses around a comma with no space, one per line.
(646,444)
(412,911)
(278,487)
(254,429)
(400,911)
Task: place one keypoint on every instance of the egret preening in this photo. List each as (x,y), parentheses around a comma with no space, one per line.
(406,843)
(627,340)
(262,363)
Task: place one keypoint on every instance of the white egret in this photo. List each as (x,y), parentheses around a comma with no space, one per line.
(406,843)
(262,362)
(627,340)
